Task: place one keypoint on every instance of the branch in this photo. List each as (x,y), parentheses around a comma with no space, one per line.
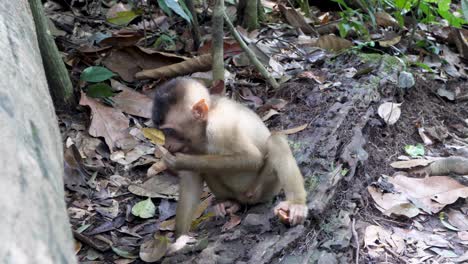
(250,54)
(218,51)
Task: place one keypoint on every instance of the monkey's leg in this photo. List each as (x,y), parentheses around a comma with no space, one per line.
(281,160)
(190,189)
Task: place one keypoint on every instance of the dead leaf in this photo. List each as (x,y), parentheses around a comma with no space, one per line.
(195,64)
(333,43)
(119,7)
(376,239)
(154,249)
(390,39)
(317,75)
(389,112)
(458,219)
(430,194)
(78,246)
(161,186)
(384,19)
(294,129)
(106,122)
(459,37)
(122,38)
(269,114)
(230,48)
(168,225)
(233,222)
(130,60)
(409,164)
(131,101)
(296,19)
(393,203)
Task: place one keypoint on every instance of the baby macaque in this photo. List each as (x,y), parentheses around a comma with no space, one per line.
(225,144)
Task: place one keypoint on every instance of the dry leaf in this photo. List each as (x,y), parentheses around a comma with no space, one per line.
(333,43)
(393,203)
(196,64)
(161,186)
(390,39)
(384,19)
(458,219)
(269,114)
(389,112)
(430,194)
(106,122)
(294,129)
(409,164)
(130,60)
(296,19)
(131,101)
(154,249)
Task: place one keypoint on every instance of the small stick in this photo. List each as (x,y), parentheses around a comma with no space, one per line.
(250,53)
(356,239)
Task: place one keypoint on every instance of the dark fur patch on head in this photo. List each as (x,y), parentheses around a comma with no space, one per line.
(166,96)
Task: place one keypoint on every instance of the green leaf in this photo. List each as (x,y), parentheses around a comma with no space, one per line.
(165,41)
(144,209)
(423,66)
(99,90)
(162,4)
(344,29)
(464,4)
(415,151)
(443,8)
(124,17)
(185,8)
(175,6)
(96,74)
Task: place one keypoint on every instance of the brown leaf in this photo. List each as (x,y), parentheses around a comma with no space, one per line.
(458,219)
(384,19)
(156,168)
(431,194)
(131,101)
(154,249)
(390,39)
(106,122)
(296,19)
(196,64)
(130,60)
(122,38)
(161,186)
(230,48)
(409,164)
(294,129)
(393,203)
(333,43)
(460,38)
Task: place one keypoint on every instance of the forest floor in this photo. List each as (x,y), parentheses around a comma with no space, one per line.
(364,207)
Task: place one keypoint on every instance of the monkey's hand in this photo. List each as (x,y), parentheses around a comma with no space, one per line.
(293,213)
(178,161)
(179,244)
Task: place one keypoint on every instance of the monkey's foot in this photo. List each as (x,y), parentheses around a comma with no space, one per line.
(295,213)
(226,207)
(179,244)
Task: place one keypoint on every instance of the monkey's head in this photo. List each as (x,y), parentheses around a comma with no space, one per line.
(180,111)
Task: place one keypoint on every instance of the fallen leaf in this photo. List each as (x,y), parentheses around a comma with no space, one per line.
(128,61)
(458,219)
(131,101)
(269,114)
(406,80)
(161,186)
(99,90)
(78,246)
(390,39)
(294,129)
(122,38)
(393,203)
(156,168)
(449,95)
(154,249)
(296,19)
(123,253)
(409,164)
(155,135)
(195,64)
(389,112)
(123,18)
(106,122)
(384,19)
(333,43)
(144,209)
(431,194)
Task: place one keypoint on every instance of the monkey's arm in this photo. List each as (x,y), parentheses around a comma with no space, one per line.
(190,189)
(249,159)
(281,159)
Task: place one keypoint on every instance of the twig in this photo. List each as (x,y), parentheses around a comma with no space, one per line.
(250,53)
(356,239)
(413,29)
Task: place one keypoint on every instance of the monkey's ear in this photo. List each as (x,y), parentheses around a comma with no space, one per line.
(200,110)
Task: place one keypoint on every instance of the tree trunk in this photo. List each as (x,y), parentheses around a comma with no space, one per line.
(34,226)
(247,14)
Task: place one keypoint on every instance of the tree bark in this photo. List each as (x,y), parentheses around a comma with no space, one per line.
(247,14)
(34,225)
(218,46)
(59,82)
